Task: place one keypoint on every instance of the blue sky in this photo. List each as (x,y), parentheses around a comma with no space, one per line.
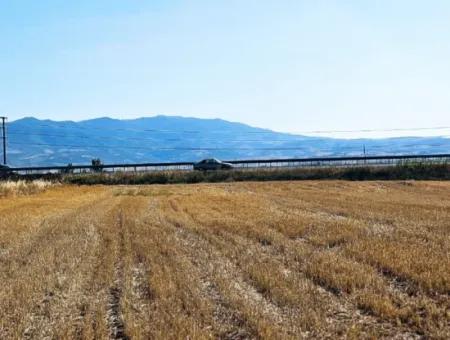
(286,65)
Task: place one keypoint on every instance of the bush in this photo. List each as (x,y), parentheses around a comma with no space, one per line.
(418,171)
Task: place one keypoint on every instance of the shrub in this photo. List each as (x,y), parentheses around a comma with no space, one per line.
(419,171)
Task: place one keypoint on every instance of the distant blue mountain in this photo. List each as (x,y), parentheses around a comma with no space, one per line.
(33,142)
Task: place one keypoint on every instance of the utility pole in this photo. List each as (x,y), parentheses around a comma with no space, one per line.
(364,151)
(4,138)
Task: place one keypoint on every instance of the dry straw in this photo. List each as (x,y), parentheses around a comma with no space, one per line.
(17,188)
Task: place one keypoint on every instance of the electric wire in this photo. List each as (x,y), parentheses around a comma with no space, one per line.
(86,126)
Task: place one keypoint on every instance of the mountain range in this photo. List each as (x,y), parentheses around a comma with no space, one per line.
(34,142)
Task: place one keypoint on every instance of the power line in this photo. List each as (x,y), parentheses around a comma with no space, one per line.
(293,139)
(381,130)
(153,149)
(75,125)
(184,139)
(209,148)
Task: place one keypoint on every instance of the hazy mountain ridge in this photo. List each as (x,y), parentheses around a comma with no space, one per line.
(165,138)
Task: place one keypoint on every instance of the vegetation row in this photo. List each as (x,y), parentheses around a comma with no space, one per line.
(401,172)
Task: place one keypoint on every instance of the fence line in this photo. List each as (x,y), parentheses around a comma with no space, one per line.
(243,164)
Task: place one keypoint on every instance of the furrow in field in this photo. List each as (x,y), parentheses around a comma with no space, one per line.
(260,244)
(161,296)
(169,280)
(281,278)
(232,322)
(237,256)
(250,309)
(21,217)
(59,299)
(229,261)
(114,308)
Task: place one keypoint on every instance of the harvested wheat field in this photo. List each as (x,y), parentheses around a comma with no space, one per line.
(232,261)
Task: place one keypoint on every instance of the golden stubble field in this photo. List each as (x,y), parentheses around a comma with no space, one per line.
(231,261)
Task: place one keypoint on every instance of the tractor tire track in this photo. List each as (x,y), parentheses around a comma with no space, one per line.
(114,313)
(217,269)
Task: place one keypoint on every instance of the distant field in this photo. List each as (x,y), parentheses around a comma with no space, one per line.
(232,261)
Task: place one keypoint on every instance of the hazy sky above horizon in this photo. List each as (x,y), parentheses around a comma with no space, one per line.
(286,65)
